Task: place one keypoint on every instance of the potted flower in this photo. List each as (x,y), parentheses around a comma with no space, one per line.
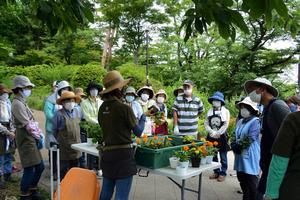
(211,151)
(195,155)
(183,156)
(155,142)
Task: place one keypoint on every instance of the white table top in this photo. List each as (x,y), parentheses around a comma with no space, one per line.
(165,171)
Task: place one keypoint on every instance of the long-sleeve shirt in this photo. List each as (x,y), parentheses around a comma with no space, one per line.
(50,108)
(3,129)
(59,123)
(22,114)
(90,109)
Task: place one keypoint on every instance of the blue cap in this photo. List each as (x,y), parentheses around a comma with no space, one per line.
(217,96)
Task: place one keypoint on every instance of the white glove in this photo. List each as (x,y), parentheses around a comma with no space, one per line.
(214,134)
(176,130)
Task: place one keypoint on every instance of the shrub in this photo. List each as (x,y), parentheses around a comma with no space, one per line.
(87,73)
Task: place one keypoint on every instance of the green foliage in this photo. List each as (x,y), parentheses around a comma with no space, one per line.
(38,97)
(87,73)
(138,75)
(93,131)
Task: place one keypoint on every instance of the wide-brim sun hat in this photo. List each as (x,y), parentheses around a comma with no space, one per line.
(4,89)
(261,81)
(217,96)
(113,80)
(247,101)
(93,85)
(79,91)
(63,84)
(130,90)
(21,82)
(149,88)
(176,91)
(161,91)
(68,95)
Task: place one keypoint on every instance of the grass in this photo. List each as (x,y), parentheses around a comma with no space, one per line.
(12,191)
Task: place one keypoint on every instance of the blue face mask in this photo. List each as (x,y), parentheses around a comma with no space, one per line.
(293,107)
(129,99)
(26,93)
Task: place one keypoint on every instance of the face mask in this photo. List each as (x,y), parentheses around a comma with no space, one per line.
(293,107)
(69,106)
(129,99)
(188,92)
(216,104)
(26,93)
(145,97)
(245,113)
(255,97)
(94,93)
(4,97)
(160,99)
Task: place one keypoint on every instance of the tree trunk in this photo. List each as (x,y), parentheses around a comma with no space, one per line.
(107,47)
(136,56)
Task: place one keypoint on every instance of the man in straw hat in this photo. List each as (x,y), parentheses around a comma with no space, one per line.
(117,121)
(186,111)
(7,136)
(67,131)
(245,145)
(261,91)
(26,139)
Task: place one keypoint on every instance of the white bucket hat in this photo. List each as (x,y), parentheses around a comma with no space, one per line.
(63,84)
(261,81)
(21,82)
(130,90)
(247,101)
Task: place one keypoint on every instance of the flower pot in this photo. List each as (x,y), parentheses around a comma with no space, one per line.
(195,162)
(184,164)
(181,170)
(209,159)
(90,141)
(203,161)
(174,162)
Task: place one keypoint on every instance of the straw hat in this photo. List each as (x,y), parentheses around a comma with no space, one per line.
(79,91)
(4,89)
(149,88)
(247,101)
(130,90)
(261,81)
(112,81)
(161,91)
(68,95)
(21,82)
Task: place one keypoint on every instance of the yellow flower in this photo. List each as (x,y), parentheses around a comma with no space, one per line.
(197,152)
(202,139)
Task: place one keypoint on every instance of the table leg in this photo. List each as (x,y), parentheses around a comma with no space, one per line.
(199,186)
(182,189)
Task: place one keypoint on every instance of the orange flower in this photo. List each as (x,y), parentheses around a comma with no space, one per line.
(145,140)
(170,139)
(193,144)
(155,137)
(186,148)
(210,144)
(137,140)
(158,143)
(145,136)
(215,143)
(202,148)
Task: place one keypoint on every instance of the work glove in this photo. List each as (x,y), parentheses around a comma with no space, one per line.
(176,130)
(214,134)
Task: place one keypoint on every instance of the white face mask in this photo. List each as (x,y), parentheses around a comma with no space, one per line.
(255,97)
(69,106)
(245,113)
(26,93)
(160,99)
(188,92)
(4,97)
(94,92)
(216,104)
(129,98)
(145,97)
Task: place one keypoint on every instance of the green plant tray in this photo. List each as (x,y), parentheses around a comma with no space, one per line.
(158,158)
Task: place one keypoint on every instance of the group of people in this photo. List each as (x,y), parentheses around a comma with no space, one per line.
(265,143)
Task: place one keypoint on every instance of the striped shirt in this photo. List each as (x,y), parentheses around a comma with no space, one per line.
(188,112)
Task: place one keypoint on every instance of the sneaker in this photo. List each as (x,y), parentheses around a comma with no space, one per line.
(213,176)
(221,178)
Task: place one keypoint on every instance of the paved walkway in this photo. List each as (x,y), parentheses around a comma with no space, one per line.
(157,187)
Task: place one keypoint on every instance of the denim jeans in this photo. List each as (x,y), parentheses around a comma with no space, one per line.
(31,177)
(6,163)
(224,166)
(123,187)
